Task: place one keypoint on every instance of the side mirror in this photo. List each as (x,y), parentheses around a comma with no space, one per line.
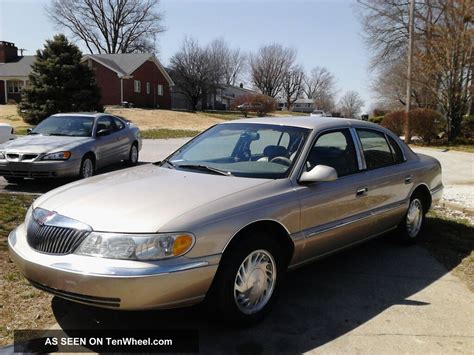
(29,130)
(319,173)
(102,132)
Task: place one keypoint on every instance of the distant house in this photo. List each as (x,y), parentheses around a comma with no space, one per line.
(221,98)
(14,72)
(137,78)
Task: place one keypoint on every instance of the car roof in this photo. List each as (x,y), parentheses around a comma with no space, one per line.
(82,114)
(310,122)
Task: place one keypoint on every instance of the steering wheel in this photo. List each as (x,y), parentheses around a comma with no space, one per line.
(281,160)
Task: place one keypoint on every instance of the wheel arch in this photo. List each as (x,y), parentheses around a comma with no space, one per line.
(267,226)
(424,191)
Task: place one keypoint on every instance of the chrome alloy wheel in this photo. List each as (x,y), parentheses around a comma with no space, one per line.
(414,218)
(87,168)
(134,154)
(255,281)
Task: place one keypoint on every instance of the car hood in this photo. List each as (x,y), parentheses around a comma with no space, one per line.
(43,144)
(141,199)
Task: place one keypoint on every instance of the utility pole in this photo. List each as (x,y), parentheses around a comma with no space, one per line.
(411,28)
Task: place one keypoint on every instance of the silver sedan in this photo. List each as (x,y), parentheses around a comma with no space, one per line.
(70,145)
(226,215)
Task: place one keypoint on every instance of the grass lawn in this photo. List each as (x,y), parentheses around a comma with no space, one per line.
(21,305)
(469,148)
(164,133)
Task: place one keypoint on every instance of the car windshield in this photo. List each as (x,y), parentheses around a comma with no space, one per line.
(74,126)
(242,149)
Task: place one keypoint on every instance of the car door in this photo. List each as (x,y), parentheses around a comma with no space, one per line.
(105,144)
(333,214)
(124,139)
(387,180)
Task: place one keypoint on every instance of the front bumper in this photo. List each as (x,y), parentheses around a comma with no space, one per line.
(40,169)
(109,283)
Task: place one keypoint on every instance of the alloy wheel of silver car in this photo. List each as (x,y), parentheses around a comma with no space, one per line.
(87,168)
(255,281)
(414,218)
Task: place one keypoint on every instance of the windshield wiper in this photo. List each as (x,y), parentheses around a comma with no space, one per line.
(206,168)
(59,134)
(165,161)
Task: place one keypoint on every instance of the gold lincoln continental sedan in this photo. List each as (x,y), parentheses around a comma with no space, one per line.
(226,215)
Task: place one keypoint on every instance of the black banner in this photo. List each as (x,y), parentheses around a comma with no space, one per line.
(105,341)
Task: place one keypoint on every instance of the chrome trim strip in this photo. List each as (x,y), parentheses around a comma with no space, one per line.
(130,272)
(306,261)
(311,232)
(358,148)
(437,189)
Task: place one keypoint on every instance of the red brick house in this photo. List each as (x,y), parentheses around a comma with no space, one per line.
(137,78)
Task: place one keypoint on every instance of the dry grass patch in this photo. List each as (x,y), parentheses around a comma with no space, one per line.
(21,305)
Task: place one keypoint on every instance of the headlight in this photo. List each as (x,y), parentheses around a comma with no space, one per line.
(57,156)
(136,246)
(2,155)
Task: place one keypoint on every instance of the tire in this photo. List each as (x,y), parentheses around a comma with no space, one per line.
(14,180)
(133,155)
(253,254)
(412,224)
(87,167)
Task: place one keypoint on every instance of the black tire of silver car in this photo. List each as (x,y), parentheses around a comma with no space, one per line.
(248,280)
(413,221)
(87,167)
(133,155)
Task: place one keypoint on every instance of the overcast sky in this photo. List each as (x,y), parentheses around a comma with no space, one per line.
(325,33)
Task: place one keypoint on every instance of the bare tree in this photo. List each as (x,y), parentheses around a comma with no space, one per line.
(350,104)
(192,71)
(442,53)
(319,85)
(292,86)
(109,26)
(230,62)
(268,67)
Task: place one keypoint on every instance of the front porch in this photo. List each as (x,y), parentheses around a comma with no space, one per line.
(10,89)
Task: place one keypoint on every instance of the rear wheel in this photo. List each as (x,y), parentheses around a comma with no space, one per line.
(412,224)
(87,167)
(14,180)
(248,280)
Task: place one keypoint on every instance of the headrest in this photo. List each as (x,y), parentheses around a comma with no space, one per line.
(272,151)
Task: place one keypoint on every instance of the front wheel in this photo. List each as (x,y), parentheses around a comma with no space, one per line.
(412,224)
(87,167)
(133,155)
(248,280)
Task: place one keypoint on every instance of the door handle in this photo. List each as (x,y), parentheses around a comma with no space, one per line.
(408,179)
(362,191)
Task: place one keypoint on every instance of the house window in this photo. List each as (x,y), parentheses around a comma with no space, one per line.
(14,87)
(137,86)
(160,90)
(148,88)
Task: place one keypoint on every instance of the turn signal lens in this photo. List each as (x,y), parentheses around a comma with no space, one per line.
(182,244)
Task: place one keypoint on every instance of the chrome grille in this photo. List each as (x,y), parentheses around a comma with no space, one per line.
(54,240)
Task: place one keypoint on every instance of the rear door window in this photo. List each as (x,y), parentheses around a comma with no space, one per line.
(376,149)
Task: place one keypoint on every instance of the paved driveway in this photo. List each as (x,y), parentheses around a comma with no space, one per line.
(378,298)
